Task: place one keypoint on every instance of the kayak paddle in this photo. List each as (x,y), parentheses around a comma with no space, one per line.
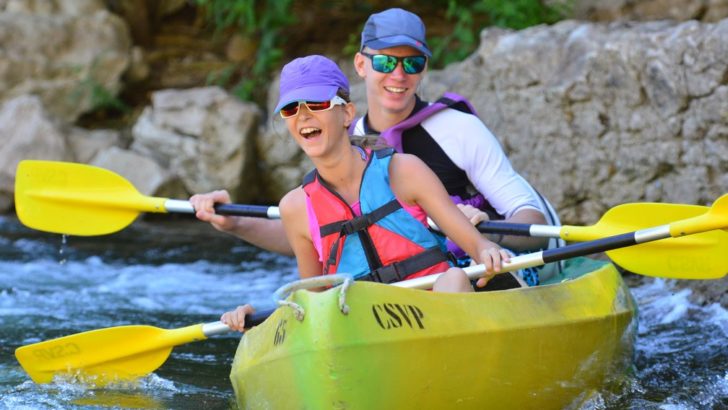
(114,354)
(58,197)
(128,352)
(687,257)
(85,200)
(712,266)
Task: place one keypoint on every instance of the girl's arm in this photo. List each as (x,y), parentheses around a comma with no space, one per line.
(264,233)
(415,183)
(295,223)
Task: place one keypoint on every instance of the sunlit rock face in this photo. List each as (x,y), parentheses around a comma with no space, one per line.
(204,136)
(68,53)
(600,114)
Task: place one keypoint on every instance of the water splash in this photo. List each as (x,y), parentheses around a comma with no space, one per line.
(62,249)
(681,352)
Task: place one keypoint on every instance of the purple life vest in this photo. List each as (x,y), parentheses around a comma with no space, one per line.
(393,135)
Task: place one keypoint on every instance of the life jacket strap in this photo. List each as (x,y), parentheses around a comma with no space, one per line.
(398,271)
(361,222)
(332,256)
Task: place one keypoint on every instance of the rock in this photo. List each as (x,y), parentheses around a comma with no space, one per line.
(27,132)
(143,173)
(706,292)
(72,60)
(55,7)
(203,135)
(606,110)
(644,10)
(138,67)
(85,144)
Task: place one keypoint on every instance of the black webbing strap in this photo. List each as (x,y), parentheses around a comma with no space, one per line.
(361,222)
(397,271)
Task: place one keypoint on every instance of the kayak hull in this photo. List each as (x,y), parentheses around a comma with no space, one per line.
(541,347)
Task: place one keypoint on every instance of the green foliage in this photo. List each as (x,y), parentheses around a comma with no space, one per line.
(101,99)
(469,17)
(353,42)
(520,14)
(264,23)
(254,20)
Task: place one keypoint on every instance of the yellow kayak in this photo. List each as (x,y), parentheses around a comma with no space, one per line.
(542,347)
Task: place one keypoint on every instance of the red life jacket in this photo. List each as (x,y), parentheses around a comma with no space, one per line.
(386,243)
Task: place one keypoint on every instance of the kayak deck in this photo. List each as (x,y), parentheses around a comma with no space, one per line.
(539,347)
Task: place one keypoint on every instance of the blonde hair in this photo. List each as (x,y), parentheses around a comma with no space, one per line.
(344,94)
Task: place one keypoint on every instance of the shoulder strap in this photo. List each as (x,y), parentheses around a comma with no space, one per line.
(310,177)
(384,152)
(393,135)
(458,102)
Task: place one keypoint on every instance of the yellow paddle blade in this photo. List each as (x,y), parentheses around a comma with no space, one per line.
(77,199)
(104,356)
(631,217)
(698,256)
(715,218)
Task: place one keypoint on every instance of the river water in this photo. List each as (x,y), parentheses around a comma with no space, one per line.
(172,273)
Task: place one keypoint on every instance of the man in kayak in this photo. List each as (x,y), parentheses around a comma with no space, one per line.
(446,135)
(364,211)
(462,152)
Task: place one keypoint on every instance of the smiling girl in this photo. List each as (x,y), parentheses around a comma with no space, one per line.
(363,211)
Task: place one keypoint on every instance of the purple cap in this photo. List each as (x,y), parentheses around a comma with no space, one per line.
(311,78)
(392,28)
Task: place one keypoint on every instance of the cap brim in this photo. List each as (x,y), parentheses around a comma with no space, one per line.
(314,93)
(396,41)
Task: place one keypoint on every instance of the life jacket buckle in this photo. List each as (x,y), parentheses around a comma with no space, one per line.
(356,224)
(387,274)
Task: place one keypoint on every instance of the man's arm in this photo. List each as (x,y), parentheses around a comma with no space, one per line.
(474,149)
(523,216)
(523,243)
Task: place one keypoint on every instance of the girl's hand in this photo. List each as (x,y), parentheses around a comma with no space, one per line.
(492,257)
(204,209)
(235,319)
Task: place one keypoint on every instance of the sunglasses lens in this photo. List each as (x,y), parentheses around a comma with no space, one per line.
(414,65)
(384,63)
(289,110)
(318,106)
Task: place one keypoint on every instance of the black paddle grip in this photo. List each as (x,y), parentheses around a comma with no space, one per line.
(504,228)
(587,248)
(258,211)
(258,317)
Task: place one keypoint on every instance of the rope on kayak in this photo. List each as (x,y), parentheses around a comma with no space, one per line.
(298,311)
(343,307)
(284,292)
